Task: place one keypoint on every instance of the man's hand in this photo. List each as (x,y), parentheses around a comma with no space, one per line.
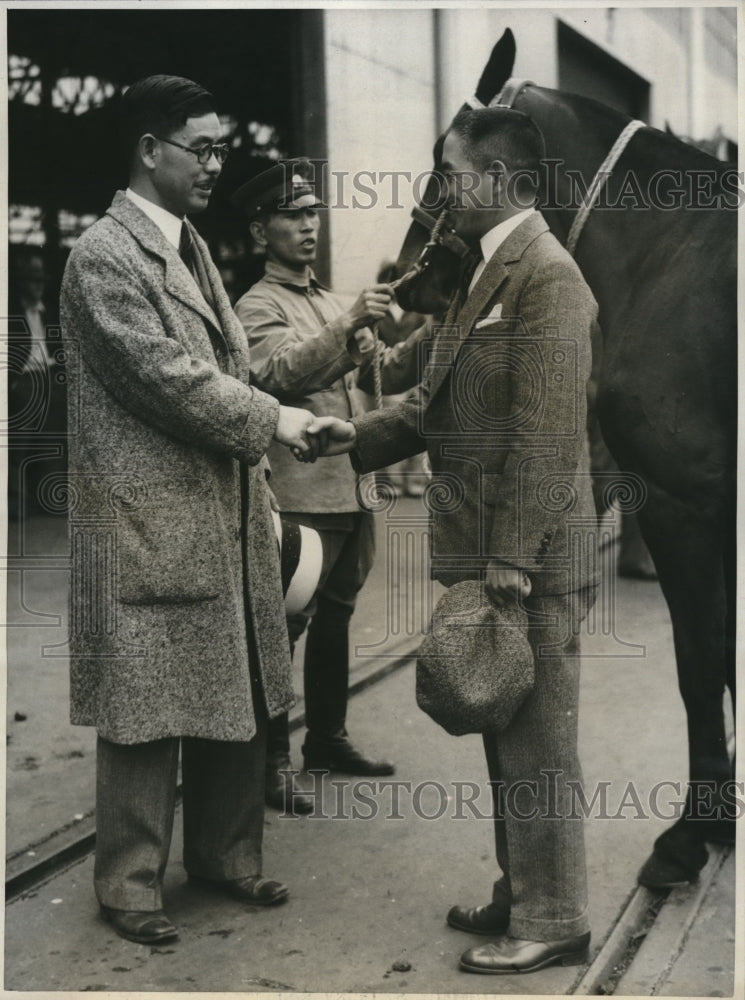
(292,431)
(371,305)
(505,584)
(330,436)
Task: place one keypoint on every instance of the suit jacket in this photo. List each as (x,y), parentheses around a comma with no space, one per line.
(501,410)
(175,587)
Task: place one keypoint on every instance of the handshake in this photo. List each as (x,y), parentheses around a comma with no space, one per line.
(309,437)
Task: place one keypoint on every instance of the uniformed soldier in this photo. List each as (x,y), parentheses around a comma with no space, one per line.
(309,346)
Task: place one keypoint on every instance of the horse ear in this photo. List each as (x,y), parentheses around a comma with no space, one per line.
(498,69)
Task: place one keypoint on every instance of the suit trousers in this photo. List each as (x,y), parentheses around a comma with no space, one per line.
(534,772)
(223,813)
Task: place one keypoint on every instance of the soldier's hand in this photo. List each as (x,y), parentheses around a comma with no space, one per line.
(364,341)
(505,584)
(371,305)
(292,431)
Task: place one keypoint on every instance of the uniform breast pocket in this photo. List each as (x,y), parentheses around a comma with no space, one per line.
(170,551)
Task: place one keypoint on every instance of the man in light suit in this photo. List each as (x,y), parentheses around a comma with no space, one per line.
(177,630)
(501,410)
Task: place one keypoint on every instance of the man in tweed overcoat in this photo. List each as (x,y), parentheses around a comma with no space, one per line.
(177,628)
(501,410)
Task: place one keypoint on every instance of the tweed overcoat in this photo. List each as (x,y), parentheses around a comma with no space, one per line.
(501,410)
(168,496)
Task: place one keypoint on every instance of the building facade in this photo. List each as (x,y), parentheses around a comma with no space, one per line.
(367,90)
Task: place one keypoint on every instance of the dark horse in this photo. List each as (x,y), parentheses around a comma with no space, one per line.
(662,267)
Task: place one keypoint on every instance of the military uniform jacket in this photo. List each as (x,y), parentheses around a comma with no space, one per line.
(300,353)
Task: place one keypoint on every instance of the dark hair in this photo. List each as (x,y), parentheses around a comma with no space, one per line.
(489,134)
(161,105)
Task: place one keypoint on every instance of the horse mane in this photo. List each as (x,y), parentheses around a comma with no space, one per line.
(606,118)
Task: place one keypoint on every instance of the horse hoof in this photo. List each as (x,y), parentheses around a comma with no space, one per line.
(665,873)
(721,832)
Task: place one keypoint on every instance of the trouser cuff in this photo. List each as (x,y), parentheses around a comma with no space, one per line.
(225,872)
(122,897)
(536,929)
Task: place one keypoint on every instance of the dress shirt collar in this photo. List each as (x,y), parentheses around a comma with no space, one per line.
(168,223)
(281,275)
(492,241)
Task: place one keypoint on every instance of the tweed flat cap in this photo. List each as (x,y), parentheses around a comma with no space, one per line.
(475,667)
(286,184)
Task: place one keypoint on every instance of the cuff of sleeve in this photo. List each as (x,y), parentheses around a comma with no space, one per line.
(260,427)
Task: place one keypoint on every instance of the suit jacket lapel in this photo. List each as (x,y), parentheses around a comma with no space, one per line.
(460,319)
(485,289)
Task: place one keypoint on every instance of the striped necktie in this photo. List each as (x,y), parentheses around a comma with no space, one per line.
(187,254)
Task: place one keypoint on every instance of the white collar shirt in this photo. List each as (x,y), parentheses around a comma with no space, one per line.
(492,241)
(168,223)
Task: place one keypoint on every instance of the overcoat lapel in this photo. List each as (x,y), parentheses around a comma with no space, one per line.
(178,282)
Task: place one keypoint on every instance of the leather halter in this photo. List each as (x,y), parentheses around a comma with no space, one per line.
(507,97)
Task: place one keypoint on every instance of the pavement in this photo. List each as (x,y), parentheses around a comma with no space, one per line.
(372,873)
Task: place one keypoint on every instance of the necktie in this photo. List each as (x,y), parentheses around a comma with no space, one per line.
(187,254)
(185,250)
(474,260)
(470,265)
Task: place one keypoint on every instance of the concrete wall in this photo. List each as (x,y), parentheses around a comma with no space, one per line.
(672,48)
(380,116)
(394,79)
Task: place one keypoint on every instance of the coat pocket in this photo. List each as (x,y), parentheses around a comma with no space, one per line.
(170,551)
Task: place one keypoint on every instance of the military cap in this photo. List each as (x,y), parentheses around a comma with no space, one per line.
(286,184)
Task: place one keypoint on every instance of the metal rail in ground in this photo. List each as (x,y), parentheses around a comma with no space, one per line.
(613,966)
(616,962)
(33,865)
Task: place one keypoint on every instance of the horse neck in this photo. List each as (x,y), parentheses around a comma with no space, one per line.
(617,244)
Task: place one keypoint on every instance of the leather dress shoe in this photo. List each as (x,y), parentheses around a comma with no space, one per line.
(489,919)
(253,889)
(141,926)
(508,955)
(283,793)
(343,757)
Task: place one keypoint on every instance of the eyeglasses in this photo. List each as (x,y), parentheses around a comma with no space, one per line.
(205,152)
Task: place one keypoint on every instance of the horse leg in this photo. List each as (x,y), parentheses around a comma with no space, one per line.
(689,555)
(634,560)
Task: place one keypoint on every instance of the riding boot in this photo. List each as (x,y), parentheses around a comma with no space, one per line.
(282,791)
(326,672)
(327,745)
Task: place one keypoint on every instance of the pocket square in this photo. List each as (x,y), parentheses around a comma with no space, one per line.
(493,316)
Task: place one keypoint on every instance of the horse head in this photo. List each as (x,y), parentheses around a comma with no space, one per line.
(427,267)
